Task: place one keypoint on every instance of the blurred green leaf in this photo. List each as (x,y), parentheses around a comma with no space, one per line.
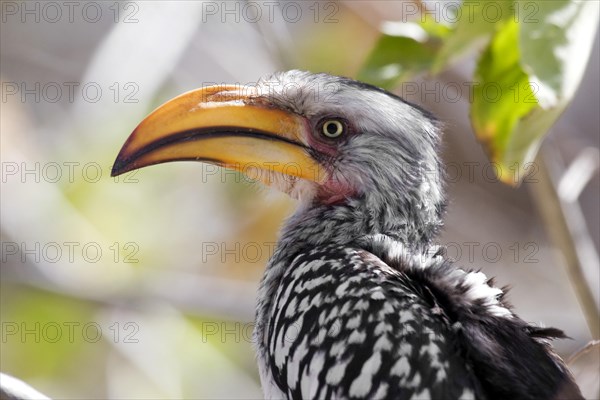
(407,52)
(555,41)
(519,95)
(501,95)
(395,59)
(475,21)
(525,78)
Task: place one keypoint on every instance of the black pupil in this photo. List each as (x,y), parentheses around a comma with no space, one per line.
(332,128)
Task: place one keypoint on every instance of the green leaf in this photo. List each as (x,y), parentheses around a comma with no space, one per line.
(475,22)
(501,95)
(555,41)
(406,50)
(517,97)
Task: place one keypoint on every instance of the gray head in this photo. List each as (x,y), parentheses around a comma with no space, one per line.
(385,158)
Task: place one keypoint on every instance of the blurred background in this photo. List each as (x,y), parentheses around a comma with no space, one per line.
(143,286)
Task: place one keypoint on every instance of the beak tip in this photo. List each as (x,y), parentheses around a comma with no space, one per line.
(115,171)
(119,167)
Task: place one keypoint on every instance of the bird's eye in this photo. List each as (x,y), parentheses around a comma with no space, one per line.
(333,128)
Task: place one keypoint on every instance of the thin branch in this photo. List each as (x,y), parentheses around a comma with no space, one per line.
(565,223)
(584,350)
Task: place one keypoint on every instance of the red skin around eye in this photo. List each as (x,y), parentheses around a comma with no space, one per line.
(325,146)
(332,191)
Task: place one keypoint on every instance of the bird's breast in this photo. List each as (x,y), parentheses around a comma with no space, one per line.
(344,324)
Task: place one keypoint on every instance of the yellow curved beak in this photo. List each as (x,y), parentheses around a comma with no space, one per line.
(225,125)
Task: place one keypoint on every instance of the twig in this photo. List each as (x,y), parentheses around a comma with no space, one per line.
(561,228)
(584,350)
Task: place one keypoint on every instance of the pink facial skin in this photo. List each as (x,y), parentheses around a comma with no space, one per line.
(333,190)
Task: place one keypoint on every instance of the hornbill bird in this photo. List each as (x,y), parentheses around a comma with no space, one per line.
(356,301)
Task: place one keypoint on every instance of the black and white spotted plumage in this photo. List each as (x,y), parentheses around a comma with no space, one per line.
(356,302)
(348,326)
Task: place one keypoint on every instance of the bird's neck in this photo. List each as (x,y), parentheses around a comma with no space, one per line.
(414,224)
